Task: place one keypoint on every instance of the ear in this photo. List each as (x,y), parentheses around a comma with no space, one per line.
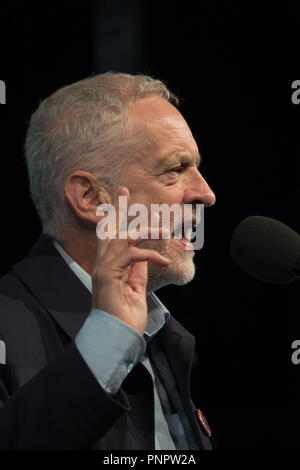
(84,194)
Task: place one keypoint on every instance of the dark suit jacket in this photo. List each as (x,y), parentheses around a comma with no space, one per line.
(49,398)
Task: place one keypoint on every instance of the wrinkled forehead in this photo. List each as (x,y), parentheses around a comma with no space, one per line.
(157,112)
(161,127)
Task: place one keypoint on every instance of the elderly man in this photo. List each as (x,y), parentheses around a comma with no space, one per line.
(93,359)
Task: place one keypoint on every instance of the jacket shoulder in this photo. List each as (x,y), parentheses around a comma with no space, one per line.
(19,328)
(15,299)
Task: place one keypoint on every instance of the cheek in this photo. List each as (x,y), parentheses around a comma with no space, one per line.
(156,194)
(169,194)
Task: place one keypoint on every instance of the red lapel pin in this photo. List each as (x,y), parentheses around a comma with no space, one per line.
(203,422)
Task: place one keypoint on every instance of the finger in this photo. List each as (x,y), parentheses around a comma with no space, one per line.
(134,254)
(119,267)
(137,274)
(133,238)
(117,213)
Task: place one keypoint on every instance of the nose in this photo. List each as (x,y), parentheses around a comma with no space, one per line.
(199,190)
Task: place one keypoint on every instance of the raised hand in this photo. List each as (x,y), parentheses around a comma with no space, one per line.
(120,276)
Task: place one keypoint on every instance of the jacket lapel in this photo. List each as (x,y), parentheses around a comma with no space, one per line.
(178,345)
(53,283)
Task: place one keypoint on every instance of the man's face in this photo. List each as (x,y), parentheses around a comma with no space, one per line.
(165,171)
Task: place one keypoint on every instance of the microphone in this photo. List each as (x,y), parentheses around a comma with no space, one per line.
(267,249)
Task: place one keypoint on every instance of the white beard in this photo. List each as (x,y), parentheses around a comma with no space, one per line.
(179,272)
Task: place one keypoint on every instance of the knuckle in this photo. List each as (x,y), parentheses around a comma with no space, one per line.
(133,250)
(154,254)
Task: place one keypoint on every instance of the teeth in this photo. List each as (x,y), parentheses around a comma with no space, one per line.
(177,231)
(188,234)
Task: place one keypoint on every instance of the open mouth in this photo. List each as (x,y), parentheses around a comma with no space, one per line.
(185,232)
(183,235)
(187,245)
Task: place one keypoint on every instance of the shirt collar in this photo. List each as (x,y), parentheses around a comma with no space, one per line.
(157,312)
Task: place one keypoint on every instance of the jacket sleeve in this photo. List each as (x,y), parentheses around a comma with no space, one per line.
(61,407)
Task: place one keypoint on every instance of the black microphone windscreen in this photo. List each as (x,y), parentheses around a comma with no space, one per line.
(266,248)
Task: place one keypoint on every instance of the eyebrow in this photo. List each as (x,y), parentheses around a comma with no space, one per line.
(183,158)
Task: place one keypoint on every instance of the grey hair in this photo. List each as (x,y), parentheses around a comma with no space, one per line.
(83,126)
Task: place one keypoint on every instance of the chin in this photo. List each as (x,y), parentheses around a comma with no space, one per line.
(179,272)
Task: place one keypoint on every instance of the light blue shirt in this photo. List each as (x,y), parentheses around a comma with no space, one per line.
(121,349)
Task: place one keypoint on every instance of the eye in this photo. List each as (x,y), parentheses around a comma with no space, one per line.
(178,169)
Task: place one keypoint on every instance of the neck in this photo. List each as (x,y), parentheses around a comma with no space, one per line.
(82,249)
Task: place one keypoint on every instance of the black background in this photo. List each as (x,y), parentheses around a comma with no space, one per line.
(233,67)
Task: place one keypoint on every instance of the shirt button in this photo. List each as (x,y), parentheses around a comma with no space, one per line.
(129,368)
